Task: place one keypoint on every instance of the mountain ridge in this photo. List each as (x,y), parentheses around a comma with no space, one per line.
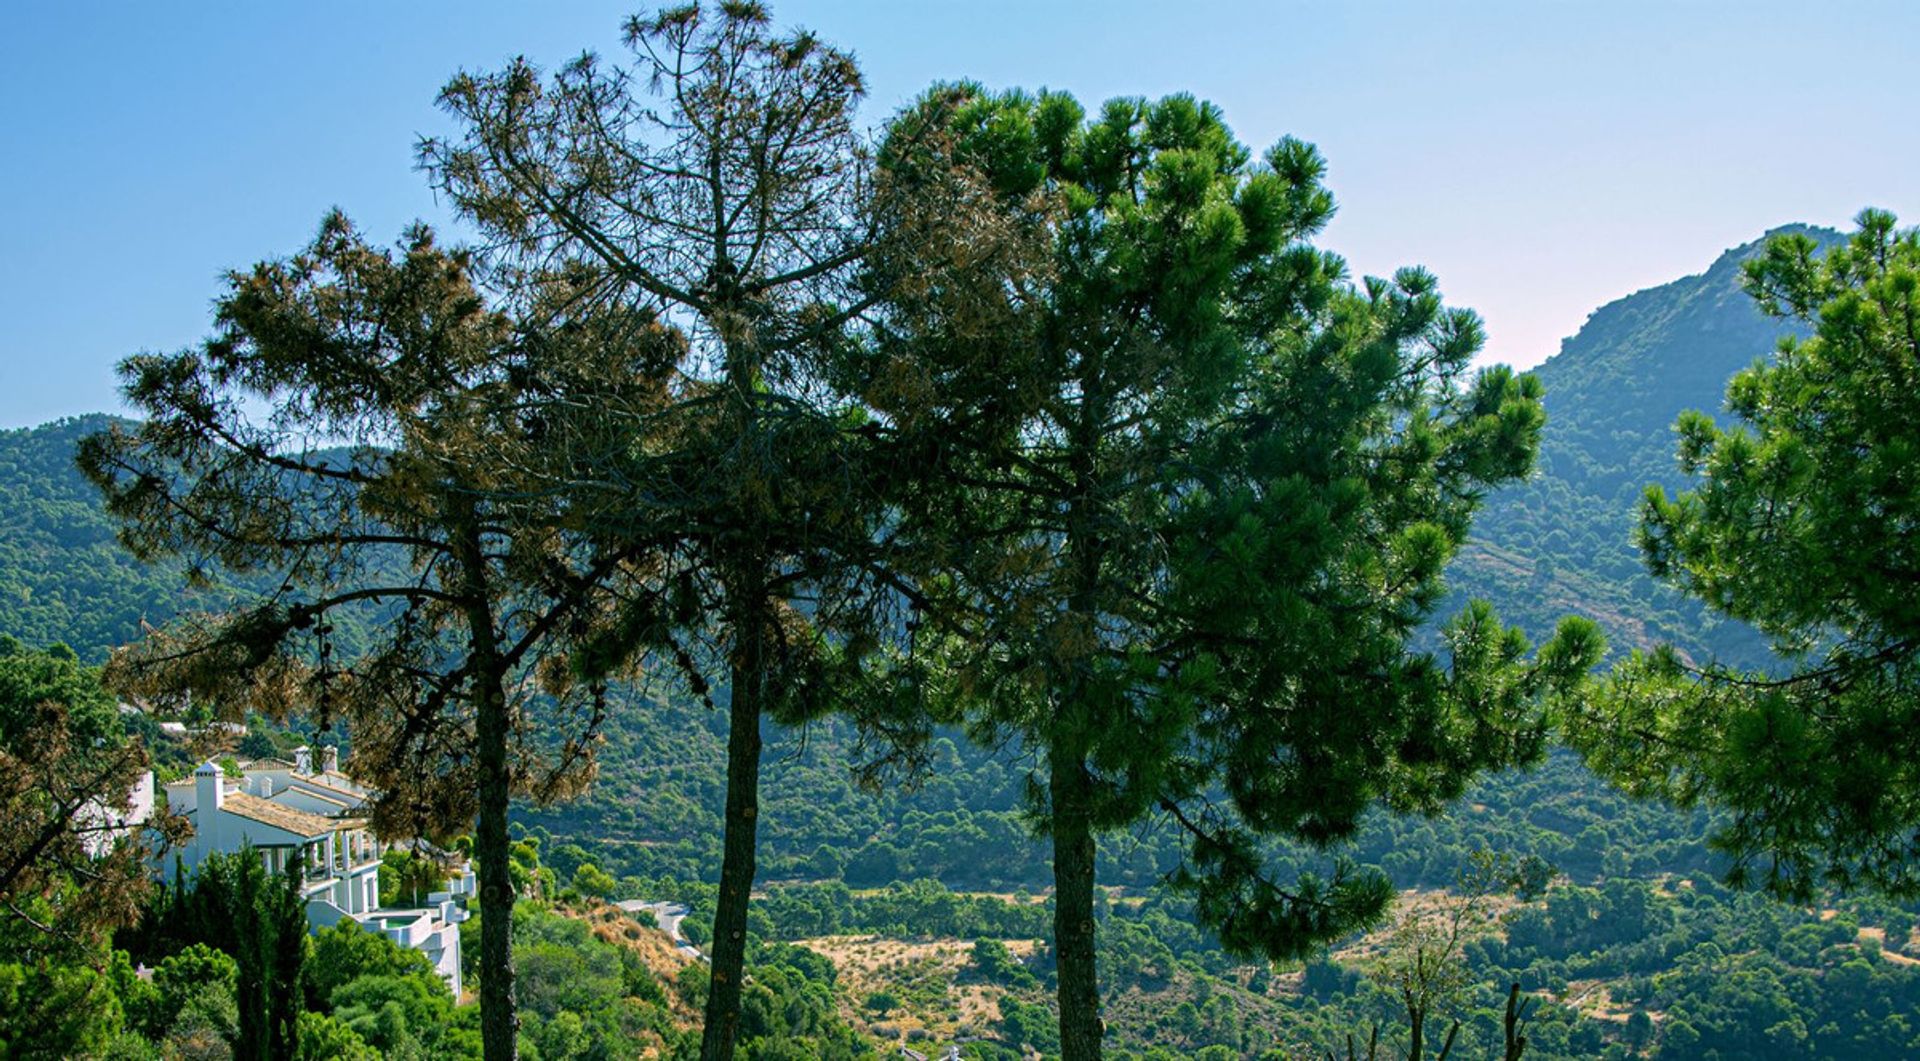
(1561,542)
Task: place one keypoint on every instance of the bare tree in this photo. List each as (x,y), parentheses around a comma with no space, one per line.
(1424,966)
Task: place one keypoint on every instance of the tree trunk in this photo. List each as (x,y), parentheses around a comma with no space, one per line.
(729,957)
(1073,929)
(499,1020)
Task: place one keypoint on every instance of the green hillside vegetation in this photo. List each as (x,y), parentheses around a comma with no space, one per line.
(919,915)
(62,575)
(1562,542)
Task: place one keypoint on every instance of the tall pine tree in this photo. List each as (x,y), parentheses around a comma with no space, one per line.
(368,436)
(1194,492)
(721,182)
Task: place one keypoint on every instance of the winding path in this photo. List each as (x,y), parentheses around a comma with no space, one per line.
(669,915)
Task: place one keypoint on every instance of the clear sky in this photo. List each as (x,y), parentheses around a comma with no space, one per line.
(1542,158)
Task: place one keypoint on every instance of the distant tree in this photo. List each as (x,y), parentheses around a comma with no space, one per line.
(1804,521)
(566,859)
(366,436)
(991,963)
(590,880)
(1196,493)
(258,744)
(1424,964)
(1531,877)
(70,868)
(1639,1030)
(1899,927)
(826,863)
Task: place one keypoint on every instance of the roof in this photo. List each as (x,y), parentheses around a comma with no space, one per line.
(339,802)
(320,793)
(285,818)
(325,790)
(269,763)
(334,779)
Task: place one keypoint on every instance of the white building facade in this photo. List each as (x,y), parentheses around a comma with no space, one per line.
(280,809)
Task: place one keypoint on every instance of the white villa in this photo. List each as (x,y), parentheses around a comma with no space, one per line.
(281,808)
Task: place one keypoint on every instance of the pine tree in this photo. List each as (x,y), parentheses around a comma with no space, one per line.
(70,870)
(1194,493)
(1804,521)
(370,437)
(720,181)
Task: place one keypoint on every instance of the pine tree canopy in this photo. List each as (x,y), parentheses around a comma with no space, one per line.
(1198,490)
(1804,521)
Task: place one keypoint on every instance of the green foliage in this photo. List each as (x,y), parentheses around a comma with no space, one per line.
(408,876)
(194,998)
(1800,519)
(53,1010)
(1562,541)
(1026,1025)
(592,881)
(346,951)
(991,963)
(327,1038)
(70,872)
(62,575)
(258,919)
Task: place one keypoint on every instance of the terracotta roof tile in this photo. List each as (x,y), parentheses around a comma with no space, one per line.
(287,819)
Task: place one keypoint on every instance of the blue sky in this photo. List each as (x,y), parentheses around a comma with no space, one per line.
(1542,158)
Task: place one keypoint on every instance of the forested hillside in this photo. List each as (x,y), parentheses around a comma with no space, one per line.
(63,577)
(928,901)
(1562,542)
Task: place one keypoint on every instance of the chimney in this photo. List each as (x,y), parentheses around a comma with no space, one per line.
(330,759)
(303,760)
(209,789)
